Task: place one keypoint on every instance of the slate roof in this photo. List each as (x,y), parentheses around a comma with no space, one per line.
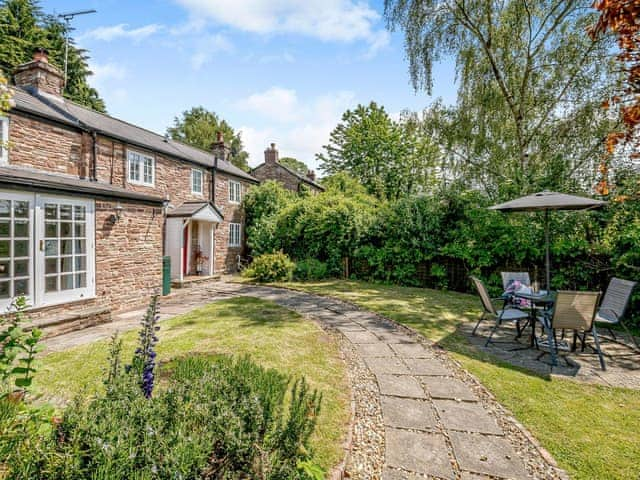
(70,113)
(301,177)
(20,176)
(189,209)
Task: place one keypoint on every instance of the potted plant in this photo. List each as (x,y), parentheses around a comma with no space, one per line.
(200,259)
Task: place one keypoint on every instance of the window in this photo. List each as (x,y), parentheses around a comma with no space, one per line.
(46,248)
(235,192)
(235,235)
(141,168)
(4,139)
(196,181)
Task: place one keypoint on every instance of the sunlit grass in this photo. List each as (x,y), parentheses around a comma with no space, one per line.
(270,335)
(592,431)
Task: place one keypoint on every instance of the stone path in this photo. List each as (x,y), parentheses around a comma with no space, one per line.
(438,422)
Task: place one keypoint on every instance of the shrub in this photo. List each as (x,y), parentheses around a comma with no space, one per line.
(271,267)
(220,418)
(310,269)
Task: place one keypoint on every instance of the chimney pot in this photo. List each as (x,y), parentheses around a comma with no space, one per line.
(219,137)
(41,55)
(311,175)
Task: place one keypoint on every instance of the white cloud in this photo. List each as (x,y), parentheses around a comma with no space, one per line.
(329,20)
(106,71)
(285,57)
(299,128)
(121,30)
(206,48)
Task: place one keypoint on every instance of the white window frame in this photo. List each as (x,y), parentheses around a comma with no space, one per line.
(235,192)
(4,140)
(194,172)
(142,157)
(235,235)
(37,297)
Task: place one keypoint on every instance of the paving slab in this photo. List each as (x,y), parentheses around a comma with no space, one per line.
(427,366)
(407,413)
(418,452)
(361,337)
(350,327)
(448,388)
(382,365)
(374,350)
(487,454)
(395,474)
(394,337)
(400,386)
(466,416)
(412,350)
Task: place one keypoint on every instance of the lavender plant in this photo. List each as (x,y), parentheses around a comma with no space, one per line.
(144,359)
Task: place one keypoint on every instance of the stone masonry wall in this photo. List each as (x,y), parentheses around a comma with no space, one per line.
(226,256)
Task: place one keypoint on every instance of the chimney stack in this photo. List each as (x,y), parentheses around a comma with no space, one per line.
(219,148)
(271,154)
(39,76)
(311,175)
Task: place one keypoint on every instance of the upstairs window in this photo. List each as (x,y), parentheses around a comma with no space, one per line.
(142,168)
(235,192)
(4,139)
(235,235)
(196,181)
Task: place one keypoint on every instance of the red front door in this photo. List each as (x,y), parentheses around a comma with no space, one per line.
(185,250)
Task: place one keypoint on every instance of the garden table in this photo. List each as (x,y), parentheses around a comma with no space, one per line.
(544,300)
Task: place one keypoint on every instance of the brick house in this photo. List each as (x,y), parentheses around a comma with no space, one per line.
(89,204)
(272,169)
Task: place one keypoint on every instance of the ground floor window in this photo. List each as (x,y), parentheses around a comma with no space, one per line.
(235,235)
(47,248)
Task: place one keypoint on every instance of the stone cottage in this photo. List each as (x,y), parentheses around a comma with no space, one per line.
(272,169)
(89,204)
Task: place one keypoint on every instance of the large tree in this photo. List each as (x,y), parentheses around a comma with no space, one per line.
(389,158)
(295,165)
(198,127)
(530,86)
(25,27)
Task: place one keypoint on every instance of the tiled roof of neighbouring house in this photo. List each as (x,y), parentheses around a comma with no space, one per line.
(70,113)
(296,174)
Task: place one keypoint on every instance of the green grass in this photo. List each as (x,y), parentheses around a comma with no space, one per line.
(272,336)
(592,431)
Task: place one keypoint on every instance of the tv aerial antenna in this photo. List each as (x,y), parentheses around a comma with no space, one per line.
(67,17)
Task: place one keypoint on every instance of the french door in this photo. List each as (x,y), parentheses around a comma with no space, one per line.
(47,248)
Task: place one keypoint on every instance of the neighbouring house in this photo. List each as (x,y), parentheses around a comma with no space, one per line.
(89,204)
(272,169)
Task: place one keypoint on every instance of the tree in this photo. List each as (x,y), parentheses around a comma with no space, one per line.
(198,127)
(24,27)
(389,158)
(530,84)
(294,164)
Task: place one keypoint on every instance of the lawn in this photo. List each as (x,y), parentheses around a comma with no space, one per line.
(592,431)
(272,336)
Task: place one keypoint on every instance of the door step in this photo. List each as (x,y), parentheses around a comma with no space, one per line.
(66,322)
(188,282)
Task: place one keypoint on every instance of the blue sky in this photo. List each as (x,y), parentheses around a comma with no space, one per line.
(280,71)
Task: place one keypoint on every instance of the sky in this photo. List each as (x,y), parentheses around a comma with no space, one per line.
(281,71)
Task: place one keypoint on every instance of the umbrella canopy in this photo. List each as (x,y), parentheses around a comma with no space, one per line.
(546,201)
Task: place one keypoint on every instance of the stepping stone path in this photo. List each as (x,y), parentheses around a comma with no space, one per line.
(434,422)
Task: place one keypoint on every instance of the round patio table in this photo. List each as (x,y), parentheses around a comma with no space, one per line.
(543,300)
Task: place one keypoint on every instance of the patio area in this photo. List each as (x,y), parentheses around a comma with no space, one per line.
(623,362)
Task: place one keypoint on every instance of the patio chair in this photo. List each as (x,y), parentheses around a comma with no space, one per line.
(614,305)
(499,316)
(572,311)
(508,277)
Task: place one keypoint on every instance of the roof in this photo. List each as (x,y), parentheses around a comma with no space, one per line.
(300,177)
(547,200)
(67,112)
(21,176)
(197,210)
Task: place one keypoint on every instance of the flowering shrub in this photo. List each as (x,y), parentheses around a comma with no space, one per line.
(271,267)
(220,418)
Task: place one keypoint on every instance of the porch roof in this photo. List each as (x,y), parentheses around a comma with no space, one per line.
(204,211)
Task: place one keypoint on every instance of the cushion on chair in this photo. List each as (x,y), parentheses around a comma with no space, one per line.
(606,316)
(512,314)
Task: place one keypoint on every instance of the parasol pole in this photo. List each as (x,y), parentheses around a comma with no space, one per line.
(546,241)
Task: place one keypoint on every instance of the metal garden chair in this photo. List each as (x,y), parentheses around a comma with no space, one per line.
(508,277)
(499,316)
(572,311)
(614,305)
